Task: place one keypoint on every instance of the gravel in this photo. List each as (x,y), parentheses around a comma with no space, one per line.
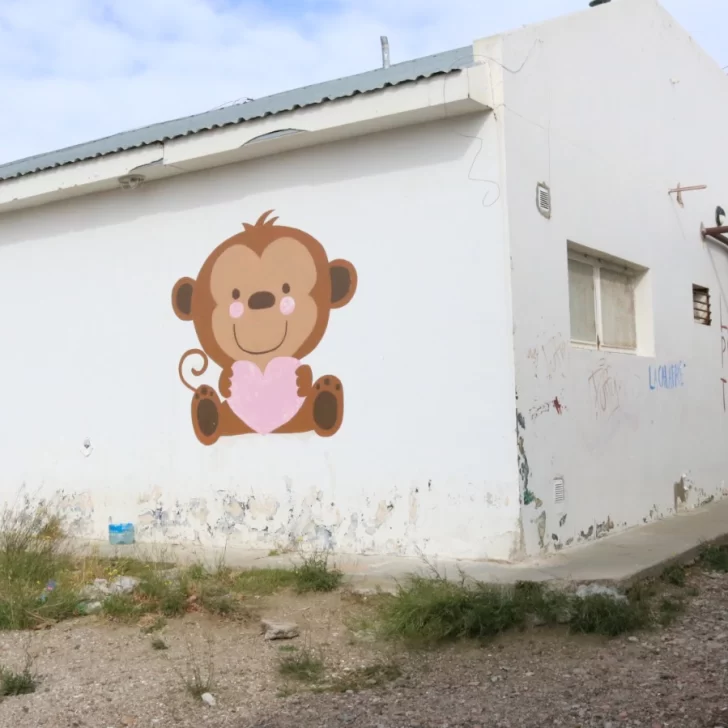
(93,673)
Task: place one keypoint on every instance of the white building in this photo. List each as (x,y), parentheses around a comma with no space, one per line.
(515,298)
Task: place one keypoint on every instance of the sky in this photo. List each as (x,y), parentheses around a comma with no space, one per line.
(76,70)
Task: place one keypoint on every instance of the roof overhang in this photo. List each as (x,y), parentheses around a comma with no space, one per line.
(444,95)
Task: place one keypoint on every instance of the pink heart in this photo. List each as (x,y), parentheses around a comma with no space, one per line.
(265,400)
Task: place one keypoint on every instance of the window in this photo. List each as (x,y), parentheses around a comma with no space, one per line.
(602,303)
(701,305)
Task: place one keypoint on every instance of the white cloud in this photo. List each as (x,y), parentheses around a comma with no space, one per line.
(74,70)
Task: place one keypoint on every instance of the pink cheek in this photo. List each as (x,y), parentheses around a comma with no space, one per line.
(236,309)
(287,305)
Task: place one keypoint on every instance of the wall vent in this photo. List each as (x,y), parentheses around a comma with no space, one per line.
(559,490)
(701,305)
(543,199)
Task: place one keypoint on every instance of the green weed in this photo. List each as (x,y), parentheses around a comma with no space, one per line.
(715,558)
(303,665)
(124,607)
(36,587)
(604,615)
(315,575)
(17,683)
(674,574)
(437,610)
(262,582)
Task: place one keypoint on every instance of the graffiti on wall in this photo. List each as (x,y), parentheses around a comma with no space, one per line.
(259,305)
(667,376)
(605,390)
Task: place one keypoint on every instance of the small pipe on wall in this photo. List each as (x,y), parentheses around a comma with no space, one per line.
(715,233)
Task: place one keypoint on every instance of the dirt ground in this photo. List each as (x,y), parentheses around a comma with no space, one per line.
(97,674)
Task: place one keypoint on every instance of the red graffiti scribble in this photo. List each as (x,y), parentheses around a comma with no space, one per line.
(557,406)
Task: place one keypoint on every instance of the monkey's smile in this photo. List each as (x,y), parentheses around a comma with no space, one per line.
(267,351)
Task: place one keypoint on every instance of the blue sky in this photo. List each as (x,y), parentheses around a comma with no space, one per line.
(74,70)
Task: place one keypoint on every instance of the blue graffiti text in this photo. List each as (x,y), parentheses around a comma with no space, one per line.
(667,376)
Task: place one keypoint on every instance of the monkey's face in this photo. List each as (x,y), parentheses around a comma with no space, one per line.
(264,293)
(264,306)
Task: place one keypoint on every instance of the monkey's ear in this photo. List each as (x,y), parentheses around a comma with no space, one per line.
(343,282)
(182,298)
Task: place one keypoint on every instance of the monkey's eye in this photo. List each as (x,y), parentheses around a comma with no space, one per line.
(286,288)
(236,293)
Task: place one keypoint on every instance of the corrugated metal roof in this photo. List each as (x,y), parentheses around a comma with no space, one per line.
(447,62)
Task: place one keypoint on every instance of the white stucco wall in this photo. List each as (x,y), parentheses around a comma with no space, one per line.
(426,456)
(612,107)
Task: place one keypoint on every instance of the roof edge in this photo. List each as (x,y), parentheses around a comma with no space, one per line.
(286,101)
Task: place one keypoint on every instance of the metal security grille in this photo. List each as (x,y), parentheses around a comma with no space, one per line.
(701,305)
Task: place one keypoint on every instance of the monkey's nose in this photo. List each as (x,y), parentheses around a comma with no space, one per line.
(262,299)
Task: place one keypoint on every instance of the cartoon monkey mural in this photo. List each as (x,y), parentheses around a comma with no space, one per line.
(261,303)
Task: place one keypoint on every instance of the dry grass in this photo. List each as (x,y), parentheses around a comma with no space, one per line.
(198,677)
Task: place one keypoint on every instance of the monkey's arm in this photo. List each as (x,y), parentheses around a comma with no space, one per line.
(304,380)
(224,383)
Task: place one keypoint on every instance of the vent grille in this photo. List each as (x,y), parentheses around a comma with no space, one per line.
(543,199)
(559,490)
(701,305)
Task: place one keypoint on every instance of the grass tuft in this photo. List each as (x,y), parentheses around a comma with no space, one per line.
(124,607)
(262,582)
(192,589)
(304,666)
(41,584)
(17,683)
(715,558)
(675,575)
(601,614)
(437,610)
(315,575)
(198,679)
(35,585)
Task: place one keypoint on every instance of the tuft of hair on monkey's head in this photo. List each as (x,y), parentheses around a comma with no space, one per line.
(262,221)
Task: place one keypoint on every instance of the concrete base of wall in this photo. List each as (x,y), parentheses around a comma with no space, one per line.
(636,553)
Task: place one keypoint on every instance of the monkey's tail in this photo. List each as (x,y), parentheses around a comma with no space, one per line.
(197,372)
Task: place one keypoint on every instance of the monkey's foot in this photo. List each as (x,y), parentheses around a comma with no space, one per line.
(206,415)
(328,405)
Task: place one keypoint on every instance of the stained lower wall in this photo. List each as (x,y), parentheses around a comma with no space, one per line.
(96,419)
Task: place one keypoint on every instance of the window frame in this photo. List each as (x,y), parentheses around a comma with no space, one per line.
(597,265)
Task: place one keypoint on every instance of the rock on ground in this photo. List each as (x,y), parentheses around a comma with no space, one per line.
(278,630)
